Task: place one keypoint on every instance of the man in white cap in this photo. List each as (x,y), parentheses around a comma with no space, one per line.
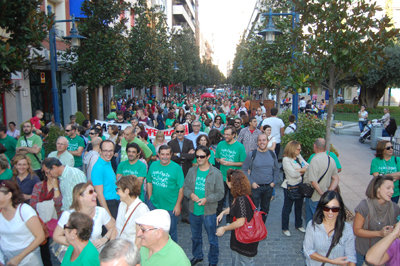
(157,247)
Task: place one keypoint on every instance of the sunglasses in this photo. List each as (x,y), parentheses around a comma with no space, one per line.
(180,131)
(68,130)
(90,192)
(92,133)
(201,156)
(333,209)
(389,148)
(68,227)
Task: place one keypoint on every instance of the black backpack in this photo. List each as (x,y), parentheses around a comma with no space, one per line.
(392,127)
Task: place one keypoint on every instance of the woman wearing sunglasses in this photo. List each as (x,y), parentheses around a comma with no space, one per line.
(85,201)
(375,216)
(77,233)
(386,164)
(329,239)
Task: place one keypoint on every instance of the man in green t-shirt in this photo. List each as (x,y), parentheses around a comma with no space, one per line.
(8,142)
(165,187)
(231,155)
(31,145)
(133,166)
(76,145)
(130,137)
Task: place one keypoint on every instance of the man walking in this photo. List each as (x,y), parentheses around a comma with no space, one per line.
(264,173)
(248,135)
(76,145)
(231,155)
(165,187)
(62,153)
(323,167)
(103,179)
(277,128)
(204,186)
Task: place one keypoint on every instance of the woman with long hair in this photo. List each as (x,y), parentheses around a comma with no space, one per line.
(242,254)
(81,251)
(375,216)
(159,140)
(112,131)
(181,116)
(329,239)
(20,230)
(130,208)
(85,201)
(203,140)
(24,175)
(294,167)
(218,123)
(385,163)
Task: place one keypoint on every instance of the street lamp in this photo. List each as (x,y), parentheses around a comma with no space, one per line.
(270,32)
(176,69)
(75,41)
(240,68)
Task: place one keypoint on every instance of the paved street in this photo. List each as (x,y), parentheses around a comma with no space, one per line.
(278,249)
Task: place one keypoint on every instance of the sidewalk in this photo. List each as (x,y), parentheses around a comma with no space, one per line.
(355,159)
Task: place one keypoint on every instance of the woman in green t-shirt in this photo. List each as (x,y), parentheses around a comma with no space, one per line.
(386,164)
(81,251)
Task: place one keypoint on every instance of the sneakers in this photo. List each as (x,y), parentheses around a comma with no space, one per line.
(286,232)
(301,229)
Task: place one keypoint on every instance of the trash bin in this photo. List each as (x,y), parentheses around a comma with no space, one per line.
(376,132)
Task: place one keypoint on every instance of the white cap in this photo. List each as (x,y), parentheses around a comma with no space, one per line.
(157,218)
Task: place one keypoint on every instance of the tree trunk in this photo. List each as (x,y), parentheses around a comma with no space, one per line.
(331,87)
(278,99)
(370,96)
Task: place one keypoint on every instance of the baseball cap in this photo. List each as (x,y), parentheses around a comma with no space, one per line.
(157,218)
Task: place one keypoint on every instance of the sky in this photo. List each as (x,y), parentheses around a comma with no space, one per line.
(222,23)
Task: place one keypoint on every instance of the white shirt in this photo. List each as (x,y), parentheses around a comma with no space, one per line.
(302,104)
(101,217)
(263,110)
(129,232)
(14,134)
(65,158)
(290,129)
(276,125)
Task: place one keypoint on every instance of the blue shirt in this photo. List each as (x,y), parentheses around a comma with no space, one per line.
(103,174)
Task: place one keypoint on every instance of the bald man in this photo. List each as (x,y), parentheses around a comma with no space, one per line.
(91,157)
(62,153)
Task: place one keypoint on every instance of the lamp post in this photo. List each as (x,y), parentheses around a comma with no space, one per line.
(75,41)
(270,32)
(176,69)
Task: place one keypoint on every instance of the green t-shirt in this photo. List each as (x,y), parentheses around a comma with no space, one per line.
(73,145)
(334,157)
(88,256)
(33,140)
(10,144)
(211,160)
(223,117)
(6,175)
(138,169)
(152,148)
(167,181)
(382,166)
(232,153)
(169,122)
(200,190)
(145,149)
(170,254)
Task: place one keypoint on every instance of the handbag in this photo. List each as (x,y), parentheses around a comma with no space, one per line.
(306,189)
(253,231)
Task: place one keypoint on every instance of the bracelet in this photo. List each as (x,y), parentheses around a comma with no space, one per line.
(55,189)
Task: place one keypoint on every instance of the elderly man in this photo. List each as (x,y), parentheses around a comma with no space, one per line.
(68,177)
(322,174)
(119,252)
(103,179)
(62,153)
(165,187)
(130,137)
(92,156)
(157,248)
(76,145)
(196,132)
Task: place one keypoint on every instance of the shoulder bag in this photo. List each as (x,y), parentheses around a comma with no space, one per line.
(253,231)
(34,154)
(128,219)
(307,189)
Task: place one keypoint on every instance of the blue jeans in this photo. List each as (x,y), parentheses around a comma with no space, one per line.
(360,259)
(287,209)
(262,198)
(361,125)
(311,206)
(173,232)
(210,224)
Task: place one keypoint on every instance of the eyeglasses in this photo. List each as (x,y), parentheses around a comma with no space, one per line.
(389,148)
(333,209)
(201,156)
(68,227)
(237,122)
(92,133)
(148,229)
(117,189)
(179,131)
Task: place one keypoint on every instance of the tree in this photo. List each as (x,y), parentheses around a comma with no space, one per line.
(340,38)
(101,58)
(24,27)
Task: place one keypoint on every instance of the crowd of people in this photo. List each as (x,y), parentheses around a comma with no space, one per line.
(116,195)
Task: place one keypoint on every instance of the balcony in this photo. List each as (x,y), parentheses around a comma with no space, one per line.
(180,12)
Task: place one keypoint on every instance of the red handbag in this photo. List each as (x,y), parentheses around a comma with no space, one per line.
(253,231)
